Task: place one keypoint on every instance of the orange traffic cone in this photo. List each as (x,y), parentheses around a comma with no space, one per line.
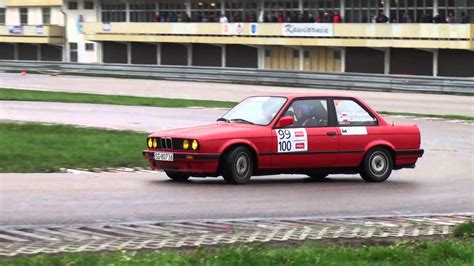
(23,73)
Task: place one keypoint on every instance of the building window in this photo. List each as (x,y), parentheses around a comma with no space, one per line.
(337,55)
(24,16)
(73,52)
(296,53)
(72,5)
(268,53)
(46,15)
(142,12)
(169,12)
(114,13)
(2,16)
(306,54)
(88,5)
(89,47)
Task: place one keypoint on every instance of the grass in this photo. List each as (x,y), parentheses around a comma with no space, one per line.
(47,148)
(66,97)
(465,229)
(449,117)
(444,252)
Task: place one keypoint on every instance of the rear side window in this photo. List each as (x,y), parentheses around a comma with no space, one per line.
(350,113)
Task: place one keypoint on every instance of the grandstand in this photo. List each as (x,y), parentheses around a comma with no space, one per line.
(408,37)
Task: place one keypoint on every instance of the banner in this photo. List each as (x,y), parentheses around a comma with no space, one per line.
(307,29)
(15,29)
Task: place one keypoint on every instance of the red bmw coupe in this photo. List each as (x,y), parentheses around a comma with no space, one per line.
(312,134)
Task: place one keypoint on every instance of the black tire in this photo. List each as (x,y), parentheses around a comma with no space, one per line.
(237,166)
(317,176)
(377,165)
(177,176)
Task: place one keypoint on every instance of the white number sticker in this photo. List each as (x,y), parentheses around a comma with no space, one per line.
(354,130)
(292,140)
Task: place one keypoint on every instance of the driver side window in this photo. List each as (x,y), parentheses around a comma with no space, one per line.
(308,113)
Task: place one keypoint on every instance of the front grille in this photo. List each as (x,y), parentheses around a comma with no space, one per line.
(166,143)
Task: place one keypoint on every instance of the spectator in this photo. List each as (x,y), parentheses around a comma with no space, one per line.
(336,18)
(365,18)
(464,18)
(327,17)
(381,18)
(406,18)
(426,18)
(311,18)
(437,19)
(280,18)
(450,18)
(320,17)
(223,18)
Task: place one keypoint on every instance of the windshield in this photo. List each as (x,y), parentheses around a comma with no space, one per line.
(255,110)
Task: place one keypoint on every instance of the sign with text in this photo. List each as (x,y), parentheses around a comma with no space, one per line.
(308,29)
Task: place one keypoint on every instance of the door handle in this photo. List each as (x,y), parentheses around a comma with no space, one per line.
(331,133)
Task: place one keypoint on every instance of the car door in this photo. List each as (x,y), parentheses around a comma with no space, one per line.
(355,125)
(310,142)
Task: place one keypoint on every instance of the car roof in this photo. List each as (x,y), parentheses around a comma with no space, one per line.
(305,94)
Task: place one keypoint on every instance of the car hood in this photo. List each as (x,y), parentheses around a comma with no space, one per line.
(216,130)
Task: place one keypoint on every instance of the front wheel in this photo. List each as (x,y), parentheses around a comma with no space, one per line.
(177,176)
(237,166)
(377,165)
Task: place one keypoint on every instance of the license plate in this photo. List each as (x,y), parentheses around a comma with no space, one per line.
(164,156)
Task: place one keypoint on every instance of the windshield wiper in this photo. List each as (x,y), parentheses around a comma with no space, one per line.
(223,119)
(241,120)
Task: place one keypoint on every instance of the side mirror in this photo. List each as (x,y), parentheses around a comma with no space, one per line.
(285,121)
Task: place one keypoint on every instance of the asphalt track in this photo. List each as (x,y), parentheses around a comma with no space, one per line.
(443,181)
(382,101)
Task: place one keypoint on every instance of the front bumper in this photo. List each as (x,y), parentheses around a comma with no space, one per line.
(197,163)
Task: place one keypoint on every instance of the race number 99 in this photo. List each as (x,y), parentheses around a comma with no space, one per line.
(284,140)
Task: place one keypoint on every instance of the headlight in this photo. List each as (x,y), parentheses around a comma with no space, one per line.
(185,144)
(150,143)
(155,143)
(195,145)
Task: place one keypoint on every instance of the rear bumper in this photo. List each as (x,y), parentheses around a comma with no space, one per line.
(407,158)
(418,153)
(192,163)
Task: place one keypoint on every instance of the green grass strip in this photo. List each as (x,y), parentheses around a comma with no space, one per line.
(447,117)
(47,148)
(67,97)
(446,252)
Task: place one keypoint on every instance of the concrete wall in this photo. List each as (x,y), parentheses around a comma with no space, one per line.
(241,56)
(144,53)
(7,51)
(411,62)
(51,52)
(27,51)
(174,54)
(364,60)
(207,55)
(456,63)
(114,52)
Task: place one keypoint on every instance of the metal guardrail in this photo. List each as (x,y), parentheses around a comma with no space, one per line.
(348,81)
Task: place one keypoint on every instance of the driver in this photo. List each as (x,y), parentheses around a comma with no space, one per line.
(302,113)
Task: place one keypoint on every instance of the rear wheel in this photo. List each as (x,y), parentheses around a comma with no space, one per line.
(377,165)
(177,176)
(237,166)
